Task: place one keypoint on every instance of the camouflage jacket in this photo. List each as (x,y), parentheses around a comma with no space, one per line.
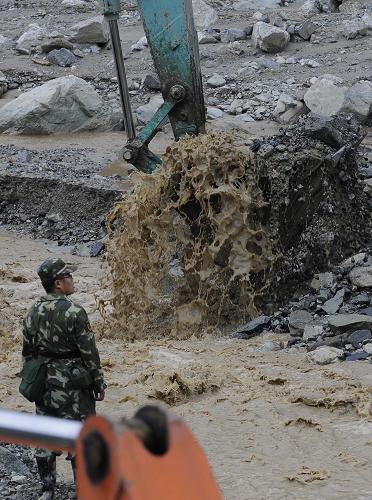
(56,325)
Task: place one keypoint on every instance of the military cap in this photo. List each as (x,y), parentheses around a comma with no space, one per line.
(52,269)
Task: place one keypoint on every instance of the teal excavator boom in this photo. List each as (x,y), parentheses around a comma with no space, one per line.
(172,38)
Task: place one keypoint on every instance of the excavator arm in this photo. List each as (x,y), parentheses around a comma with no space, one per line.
(171,35)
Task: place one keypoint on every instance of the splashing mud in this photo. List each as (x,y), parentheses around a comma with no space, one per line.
(187,250)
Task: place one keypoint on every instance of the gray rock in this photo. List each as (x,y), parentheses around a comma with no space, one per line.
(352,28)
(146,112)
(288,109)
(306,29)
(7,4)
(269,38)
(357,356)
(361,298)
(368,348)
(61,57)
(204,15)
(279,22)
(10,461)
(24,156)
(205,38)
(30,39)
(92,30)
(152,81)
(256,4)
(357,338)
(97,248)
(6,43)
(325,355)
(324,98)
(63,105)
(3,84)
(356,260)
(213,113)
(323,280)
(312,332)
(358,99)
(252,328)
(233,34)
(270,346)
(361,276)
(216,81)
(323,130)
(332,305)
(340,323)
(56,43)
(367,311)
(367,20)
(297,321)
(141,44)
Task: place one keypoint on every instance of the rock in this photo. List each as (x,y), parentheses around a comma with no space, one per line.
(146,112)
(252,328)
(323,130)
(358,99)
(7,4)
(269,38)
(75,4)
(368,348)
(323,280)
(232,35)
(256,4)
(361,298)
(325,355)
(6,43)
(297,321)
(270,346)
(204,38)
(204,15)
(288,109)
(357,356)
(63,105)
(356,260)
(324,98)
(92,30)
(367,311)
(352,28)
(312,332)
(367,20)
(213,113)
(340,323)
(61,57)
(3,84)
(97,248)
(332,305)
(306,29)
(12,462)
(56,43)
(30,38)
(358,337)
(140,45)
(361,276)
(19,479)
(152,81)
(24,156)
(216,81)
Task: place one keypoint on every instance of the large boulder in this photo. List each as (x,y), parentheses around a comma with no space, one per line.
(324,98)
(93,30)
(359,99)
(63,105)
(204,15)
(269,38)
(30,38)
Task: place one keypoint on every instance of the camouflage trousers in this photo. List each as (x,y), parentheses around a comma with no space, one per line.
(71,404)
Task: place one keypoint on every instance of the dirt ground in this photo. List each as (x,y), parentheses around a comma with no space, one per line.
(273,425)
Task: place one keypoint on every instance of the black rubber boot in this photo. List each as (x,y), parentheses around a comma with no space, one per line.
(47,472)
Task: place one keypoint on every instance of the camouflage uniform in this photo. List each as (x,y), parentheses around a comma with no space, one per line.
(59,330)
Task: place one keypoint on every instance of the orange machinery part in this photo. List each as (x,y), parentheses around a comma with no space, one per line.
(126,470)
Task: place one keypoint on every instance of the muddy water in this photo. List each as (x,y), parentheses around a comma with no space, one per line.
(273,425)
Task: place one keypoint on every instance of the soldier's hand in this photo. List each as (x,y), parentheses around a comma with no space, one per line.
(99,395)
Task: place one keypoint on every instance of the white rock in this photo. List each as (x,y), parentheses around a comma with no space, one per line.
(359,99)
(367,20)
(269,38)
(216,81)
(140,45)
(146,112)
(74,3)
(361,276)
(288,109)
(92,30)
(353,28)
(204,15)
(31,38)
(63,105)
(324,355)
(256,4)
(312,332)
(214,113)
(368,348)
(324,98)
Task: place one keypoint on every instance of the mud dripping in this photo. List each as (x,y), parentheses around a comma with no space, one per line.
(187,249)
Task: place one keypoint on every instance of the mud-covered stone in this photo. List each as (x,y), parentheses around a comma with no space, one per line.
(251,328)
(325,355)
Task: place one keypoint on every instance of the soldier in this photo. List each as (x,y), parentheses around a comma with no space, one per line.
(58,330)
